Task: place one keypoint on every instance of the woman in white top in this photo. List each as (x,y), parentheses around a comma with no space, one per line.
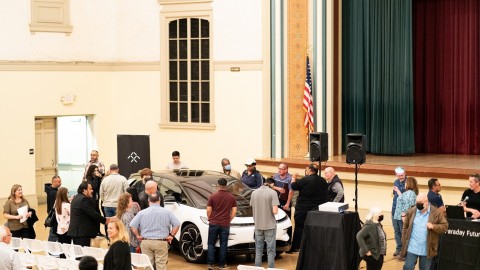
(62,212)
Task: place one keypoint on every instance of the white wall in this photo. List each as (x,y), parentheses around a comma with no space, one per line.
(125,102)
(237,29)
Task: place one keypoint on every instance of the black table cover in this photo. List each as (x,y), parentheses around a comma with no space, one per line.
(460,246)
(329,241)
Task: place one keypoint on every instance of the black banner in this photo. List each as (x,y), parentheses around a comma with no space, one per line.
(459,246)
(133,153)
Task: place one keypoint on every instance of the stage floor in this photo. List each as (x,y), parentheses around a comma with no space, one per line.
(423,165)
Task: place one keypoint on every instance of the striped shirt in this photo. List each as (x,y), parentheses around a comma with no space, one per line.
(154,222)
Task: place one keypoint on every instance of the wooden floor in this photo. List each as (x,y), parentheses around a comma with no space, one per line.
(284,261)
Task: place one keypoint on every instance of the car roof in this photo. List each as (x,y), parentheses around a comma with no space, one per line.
(187,175)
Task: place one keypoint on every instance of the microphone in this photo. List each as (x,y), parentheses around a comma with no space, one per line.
(464,200)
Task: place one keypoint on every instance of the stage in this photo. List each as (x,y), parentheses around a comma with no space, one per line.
(376,176)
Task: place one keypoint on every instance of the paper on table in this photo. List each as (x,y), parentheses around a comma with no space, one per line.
(23,211)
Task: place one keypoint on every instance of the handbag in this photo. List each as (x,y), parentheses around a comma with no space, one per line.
(51,220)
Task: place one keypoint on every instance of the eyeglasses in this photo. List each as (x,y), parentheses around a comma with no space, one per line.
(282,168)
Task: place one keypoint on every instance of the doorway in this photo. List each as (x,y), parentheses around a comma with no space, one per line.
(61,146)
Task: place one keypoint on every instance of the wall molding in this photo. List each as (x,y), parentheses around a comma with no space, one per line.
(115,66)
(243,65)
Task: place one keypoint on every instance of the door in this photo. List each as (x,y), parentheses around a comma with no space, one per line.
(45,157)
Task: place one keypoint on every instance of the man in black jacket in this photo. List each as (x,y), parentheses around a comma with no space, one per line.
(312,192)
(335,186)
(51,190)
(84,220)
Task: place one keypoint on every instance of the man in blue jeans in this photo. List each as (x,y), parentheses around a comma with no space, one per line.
(111,188)
(221,209)
(398,224)
(424,224)
(264,202)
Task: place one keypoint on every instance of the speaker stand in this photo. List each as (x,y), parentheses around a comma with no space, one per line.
(356,187)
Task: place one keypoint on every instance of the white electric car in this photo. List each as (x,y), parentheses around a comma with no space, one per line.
(186,194)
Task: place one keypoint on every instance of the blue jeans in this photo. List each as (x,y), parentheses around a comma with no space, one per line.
(398,227)
(110,211)
(411,260)
(268,236)
(214,232)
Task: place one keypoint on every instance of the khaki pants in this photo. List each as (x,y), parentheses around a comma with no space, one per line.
(157,252)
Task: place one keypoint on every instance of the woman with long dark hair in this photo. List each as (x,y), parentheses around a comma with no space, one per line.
(94,178)
(62,212)
(10,212)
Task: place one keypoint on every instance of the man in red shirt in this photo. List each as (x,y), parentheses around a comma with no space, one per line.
(221,209)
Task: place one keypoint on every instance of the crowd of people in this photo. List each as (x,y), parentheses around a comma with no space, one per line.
(135,219)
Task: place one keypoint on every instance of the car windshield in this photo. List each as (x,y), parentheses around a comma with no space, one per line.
(200,190)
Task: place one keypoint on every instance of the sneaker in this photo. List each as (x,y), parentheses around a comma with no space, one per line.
(291,251)
(225,267)
(211,267)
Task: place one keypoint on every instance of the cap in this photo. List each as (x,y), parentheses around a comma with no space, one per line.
(399,170)
(250,161)
(113,167)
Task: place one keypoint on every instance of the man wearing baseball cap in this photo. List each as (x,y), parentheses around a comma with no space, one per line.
(251,177)
(399,184)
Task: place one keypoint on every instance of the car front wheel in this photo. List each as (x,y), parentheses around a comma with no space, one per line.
(191,245)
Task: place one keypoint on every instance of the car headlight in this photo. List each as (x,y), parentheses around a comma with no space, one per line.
(204,220)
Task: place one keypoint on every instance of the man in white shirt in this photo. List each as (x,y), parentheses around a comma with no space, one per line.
(111,188)
(176,164)
(9,259)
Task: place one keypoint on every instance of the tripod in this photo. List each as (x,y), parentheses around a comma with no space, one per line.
(356,187)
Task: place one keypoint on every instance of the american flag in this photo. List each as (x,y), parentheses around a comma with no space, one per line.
(308,100)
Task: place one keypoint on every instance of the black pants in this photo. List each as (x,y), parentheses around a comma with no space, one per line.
(22,233)
(373,264)
(83,241)
(300,217)
(64,238)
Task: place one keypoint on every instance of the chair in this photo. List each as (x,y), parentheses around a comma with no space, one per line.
(67,264)
(97,253)
(248,267)
(15,243)
(46,262)
(72,251)
(53,248)
(33,246)
(141,260)
(28,260)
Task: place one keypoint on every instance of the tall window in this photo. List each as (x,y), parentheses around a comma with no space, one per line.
(189,71)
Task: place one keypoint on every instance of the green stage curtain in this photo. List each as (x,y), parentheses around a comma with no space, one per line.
(377,94)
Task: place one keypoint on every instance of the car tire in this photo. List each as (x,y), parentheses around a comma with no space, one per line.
(191,245)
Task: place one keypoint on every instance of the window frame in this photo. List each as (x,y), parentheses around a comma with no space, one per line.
(50,16)
(175,10)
